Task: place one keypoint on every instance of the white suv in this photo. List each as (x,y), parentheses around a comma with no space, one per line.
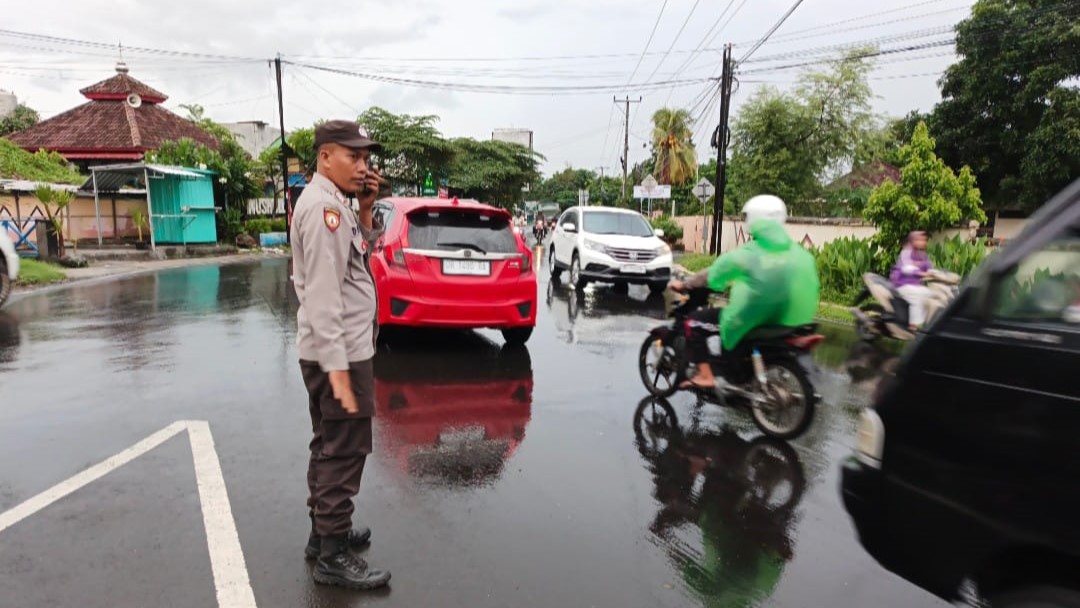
(608,245)
(9,265)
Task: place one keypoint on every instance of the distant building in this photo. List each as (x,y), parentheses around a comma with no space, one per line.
(122,121)
(522,137)
(8,103)
(254,136)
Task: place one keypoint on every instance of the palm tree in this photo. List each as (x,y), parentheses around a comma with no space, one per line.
(676,160)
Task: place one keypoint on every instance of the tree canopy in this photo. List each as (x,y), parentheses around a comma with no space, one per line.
(412,146)
(929,196)
(788,144)
(673,152)
(1010,107)
(22,117)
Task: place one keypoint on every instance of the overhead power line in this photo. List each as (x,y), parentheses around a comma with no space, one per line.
(771,31)
(648,42)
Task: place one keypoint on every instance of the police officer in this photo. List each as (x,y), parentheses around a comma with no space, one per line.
(336,331)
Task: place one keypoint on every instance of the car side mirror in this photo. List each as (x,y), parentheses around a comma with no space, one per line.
(569,227)
(658,232)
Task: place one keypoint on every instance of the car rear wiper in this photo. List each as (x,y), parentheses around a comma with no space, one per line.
(462,245)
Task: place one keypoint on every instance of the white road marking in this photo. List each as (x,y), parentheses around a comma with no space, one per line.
(231,580)
(226,556)
(79,480)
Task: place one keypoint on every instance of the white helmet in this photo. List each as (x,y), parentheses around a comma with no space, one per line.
(765,206)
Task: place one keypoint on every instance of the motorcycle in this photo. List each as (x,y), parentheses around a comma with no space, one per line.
(886,313)
(540,233)
(770,373)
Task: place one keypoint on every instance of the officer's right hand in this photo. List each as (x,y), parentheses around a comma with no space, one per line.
(341,384)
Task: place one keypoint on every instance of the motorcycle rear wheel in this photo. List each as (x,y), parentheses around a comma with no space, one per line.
(662,367)
(790,401)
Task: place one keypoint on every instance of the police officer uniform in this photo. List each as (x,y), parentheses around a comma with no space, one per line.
(336,331)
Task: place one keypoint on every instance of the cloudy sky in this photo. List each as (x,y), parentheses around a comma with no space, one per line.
(431,49)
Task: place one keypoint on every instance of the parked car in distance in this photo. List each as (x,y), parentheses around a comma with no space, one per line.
(9,266)
(966,467)
(608,245)
(453,263)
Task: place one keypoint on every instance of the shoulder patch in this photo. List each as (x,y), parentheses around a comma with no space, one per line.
(332,217)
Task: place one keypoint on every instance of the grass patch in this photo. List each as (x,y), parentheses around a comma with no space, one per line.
(33,272)
(835,313)
(695,262)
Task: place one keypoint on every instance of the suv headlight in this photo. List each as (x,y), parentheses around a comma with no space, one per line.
(663,249)
(595,246)
(869,438)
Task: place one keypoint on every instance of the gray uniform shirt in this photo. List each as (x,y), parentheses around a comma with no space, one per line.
(336,322)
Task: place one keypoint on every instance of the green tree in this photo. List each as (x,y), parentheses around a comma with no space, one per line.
(240,176)
(1010,107)
(562,187)
(930,196)
(493,172)
(21,118)
(675,158)
(412,146)
(789,143)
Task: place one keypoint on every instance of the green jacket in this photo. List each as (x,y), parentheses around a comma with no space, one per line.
(773,281)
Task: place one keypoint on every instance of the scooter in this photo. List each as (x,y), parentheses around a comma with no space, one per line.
(769,373)
(886,313)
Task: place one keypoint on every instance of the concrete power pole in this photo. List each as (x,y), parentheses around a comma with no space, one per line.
(626,139)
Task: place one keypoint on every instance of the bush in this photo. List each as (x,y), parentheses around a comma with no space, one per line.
(231,224)
(257,226)
(672,231)
(957,254)
(695,262)
(278,225)
(841,264)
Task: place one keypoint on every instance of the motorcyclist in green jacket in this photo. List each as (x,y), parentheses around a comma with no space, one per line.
(773,281)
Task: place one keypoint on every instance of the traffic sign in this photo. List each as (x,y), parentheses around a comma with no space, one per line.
(704,189)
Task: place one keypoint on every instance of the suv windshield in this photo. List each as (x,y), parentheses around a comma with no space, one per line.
(453,230)
(606,222)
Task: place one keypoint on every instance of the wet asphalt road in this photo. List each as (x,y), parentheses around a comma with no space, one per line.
(499,478)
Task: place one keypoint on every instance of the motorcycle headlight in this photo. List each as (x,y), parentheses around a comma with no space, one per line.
(663,249)
(595,246)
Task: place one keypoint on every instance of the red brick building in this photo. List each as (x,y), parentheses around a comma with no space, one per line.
(122,120)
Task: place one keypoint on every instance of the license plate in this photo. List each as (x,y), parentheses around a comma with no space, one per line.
(634,269)
(478,268)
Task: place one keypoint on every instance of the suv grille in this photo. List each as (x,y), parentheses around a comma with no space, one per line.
(631,255)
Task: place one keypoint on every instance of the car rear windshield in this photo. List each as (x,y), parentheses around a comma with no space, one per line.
(454,230)
(604,222)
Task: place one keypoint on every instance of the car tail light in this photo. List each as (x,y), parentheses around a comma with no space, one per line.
(869,438)
(522,262)
(395,256)
(806,342)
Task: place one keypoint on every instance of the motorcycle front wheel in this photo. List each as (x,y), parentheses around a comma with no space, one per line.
(661,366)
(789,401)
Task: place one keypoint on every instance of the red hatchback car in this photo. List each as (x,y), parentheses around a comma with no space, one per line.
(453,263)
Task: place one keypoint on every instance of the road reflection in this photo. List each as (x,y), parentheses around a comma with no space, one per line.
(726,505)
(9,338)
(600,312)
(452,405)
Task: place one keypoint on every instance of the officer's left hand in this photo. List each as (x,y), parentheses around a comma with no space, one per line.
(372,184)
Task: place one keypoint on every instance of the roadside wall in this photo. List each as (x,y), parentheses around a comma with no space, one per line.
(811,232)
(19,211)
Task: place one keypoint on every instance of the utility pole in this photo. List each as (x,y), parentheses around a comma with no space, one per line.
(602,169)
(626,139)
(720,141)
(284,155)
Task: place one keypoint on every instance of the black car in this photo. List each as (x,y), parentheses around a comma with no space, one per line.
(966,474)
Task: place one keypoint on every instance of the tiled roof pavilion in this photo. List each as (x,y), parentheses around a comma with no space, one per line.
(113,125)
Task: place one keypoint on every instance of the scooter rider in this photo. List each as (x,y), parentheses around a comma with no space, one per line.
(773,281)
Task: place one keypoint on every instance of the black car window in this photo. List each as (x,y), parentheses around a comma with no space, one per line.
(453,230)
(1044,286)
(607,222)
(382,216)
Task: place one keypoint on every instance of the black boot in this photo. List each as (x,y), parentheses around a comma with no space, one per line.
(359,538)
(338,566)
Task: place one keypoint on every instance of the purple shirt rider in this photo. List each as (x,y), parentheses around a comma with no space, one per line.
(911,265)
